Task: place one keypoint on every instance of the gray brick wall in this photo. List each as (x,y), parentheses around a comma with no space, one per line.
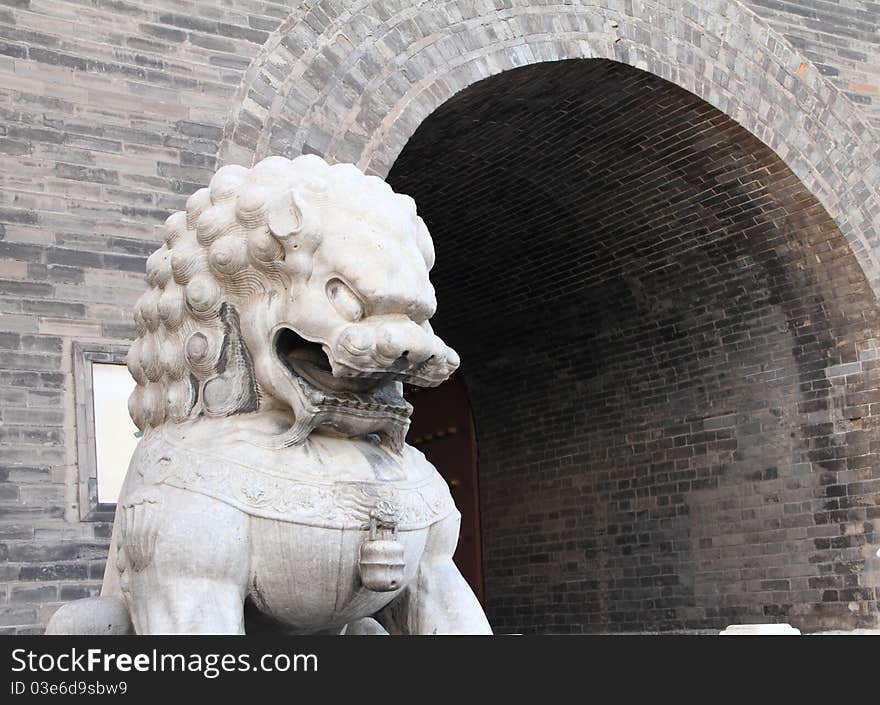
(113,111)
(841,38)
(110,116)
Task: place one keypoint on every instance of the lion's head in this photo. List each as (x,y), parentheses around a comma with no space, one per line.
(292,285)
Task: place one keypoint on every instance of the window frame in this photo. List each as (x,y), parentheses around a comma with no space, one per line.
(84,355)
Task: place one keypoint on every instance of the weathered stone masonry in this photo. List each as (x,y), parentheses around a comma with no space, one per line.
(665,488)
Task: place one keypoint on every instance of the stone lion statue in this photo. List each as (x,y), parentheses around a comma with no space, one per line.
(285,310)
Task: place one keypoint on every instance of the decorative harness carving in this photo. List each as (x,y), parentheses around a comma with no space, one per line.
(406,505)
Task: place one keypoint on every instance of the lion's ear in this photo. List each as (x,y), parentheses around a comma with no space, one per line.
(289,216)
(234,389)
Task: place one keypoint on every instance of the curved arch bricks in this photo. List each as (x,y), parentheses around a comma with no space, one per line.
(354,85)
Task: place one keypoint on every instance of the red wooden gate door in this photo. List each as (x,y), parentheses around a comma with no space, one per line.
(442,428)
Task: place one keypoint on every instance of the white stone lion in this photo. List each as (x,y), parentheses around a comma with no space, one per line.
(287,307)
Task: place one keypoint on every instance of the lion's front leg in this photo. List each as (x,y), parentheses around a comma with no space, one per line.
(439,601)
(183,561)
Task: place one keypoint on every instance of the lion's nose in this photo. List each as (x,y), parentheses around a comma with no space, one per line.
(404,342)
(397,346)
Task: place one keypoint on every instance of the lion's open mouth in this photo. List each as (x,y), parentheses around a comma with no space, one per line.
(351,405)
(309,361)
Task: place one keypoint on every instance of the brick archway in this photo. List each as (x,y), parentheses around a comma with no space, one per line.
(670,350)
(354,86)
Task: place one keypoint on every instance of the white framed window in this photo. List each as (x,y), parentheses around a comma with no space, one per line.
(106,435)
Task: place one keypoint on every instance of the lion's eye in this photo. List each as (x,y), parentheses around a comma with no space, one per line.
(344,300)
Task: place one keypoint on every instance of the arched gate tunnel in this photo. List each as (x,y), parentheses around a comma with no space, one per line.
(671,354)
